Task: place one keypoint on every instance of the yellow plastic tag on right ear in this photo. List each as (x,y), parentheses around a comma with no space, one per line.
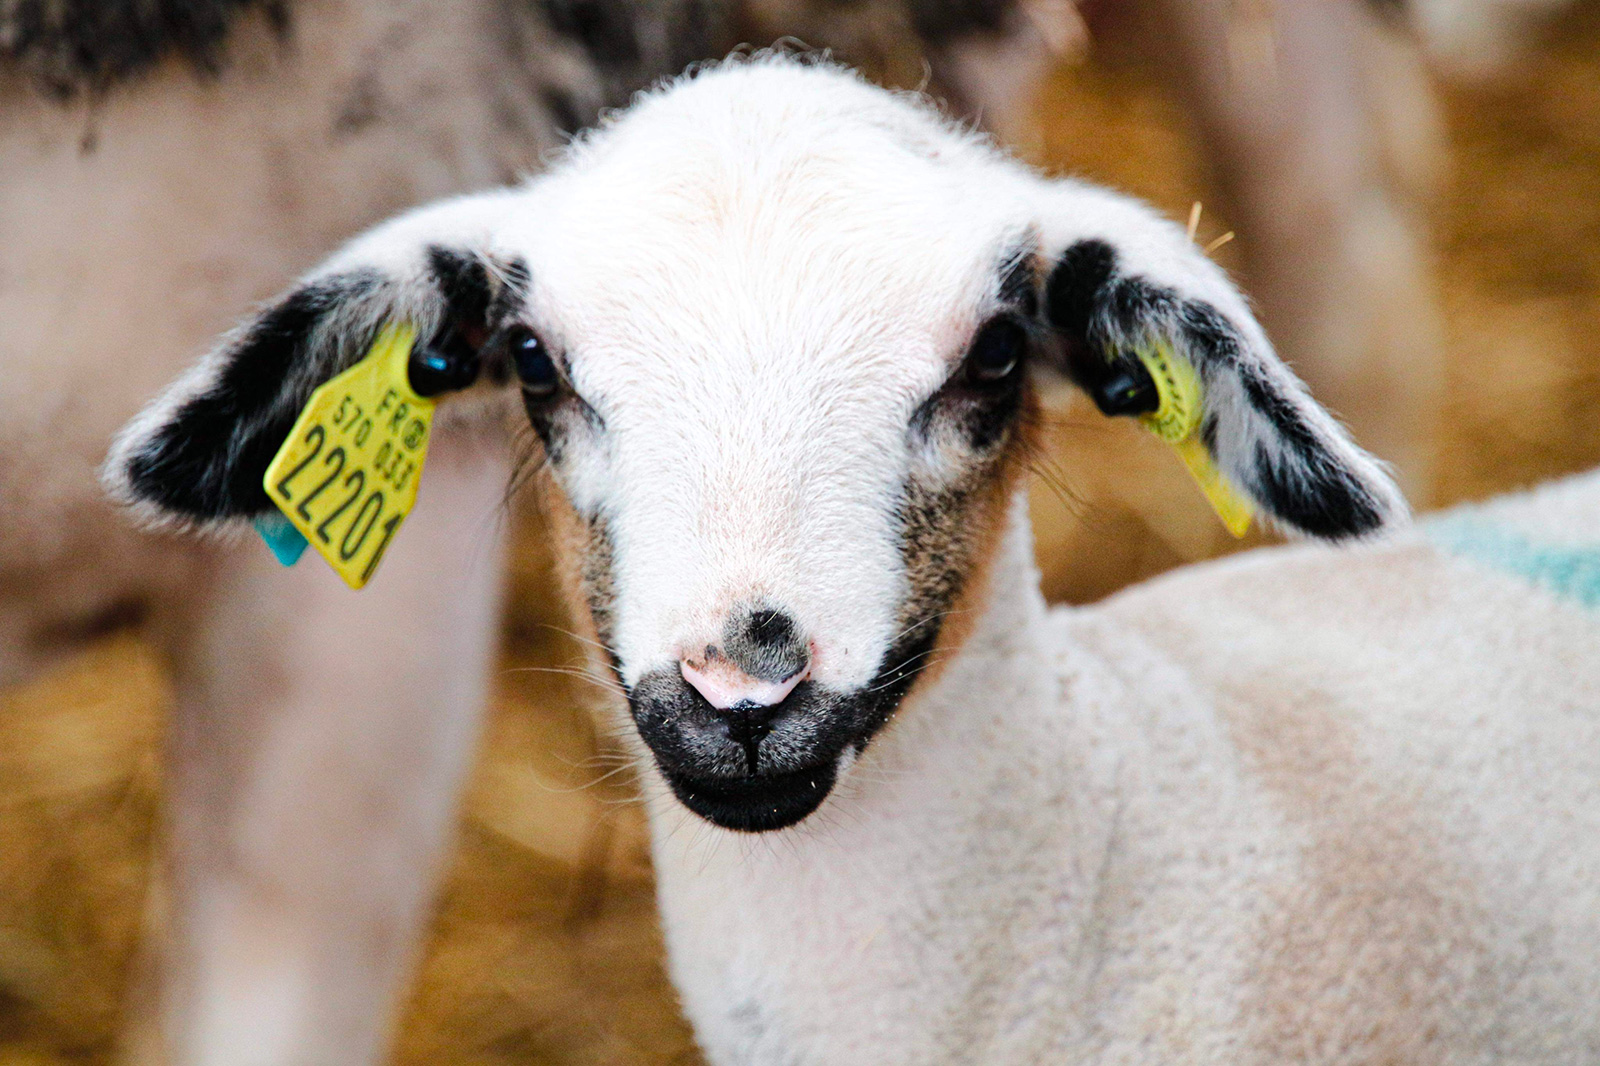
(1177,421)
(346,476)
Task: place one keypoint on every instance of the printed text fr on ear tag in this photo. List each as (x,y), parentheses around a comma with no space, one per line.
(1177,421)
(347,475)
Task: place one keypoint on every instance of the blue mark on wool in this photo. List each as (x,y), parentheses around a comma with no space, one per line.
(1570,571)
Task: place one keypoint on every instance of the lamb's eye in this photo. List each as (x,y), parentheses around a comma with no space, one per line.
(535,368)
(445,364)
(996,351)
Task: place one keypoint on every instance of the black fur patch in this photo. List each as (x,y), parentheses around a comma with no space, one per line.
(1081,289)
(1076,286)
(1280,411)
(90,45)
(1098,311)
(1206,330)
(208,461)
(1304,486)
(764,643)
(513,290)
(1089,302)
(1328,501)
(463,280)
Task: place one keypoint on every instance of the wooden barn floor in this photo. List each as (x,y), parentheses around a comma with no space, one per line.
(545,949)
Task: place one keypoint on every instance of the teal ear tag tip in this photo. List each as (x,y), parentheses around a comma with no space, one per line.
(285,541)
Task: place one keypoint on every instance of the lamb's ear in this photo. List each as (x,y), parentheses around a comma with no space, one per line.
(1120,276)
(196,455)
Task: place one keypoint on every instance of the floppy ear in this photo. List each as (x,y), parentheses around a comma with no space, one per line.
(1121,277)
(196,455)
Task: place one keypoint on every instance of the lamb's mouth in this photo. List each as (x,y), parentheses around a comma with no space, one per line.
(754,803)
(755,777)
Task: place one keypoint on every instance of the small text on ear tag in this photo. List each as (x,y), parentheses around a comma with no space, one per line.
(346,476)
(1177,421)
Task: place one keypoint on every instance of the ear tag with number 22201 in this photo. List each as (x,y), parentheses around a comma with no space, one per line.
(346,477)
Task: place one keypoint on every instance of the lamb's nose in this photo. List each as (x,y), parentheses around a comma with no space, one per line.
(725,686)
(762,658)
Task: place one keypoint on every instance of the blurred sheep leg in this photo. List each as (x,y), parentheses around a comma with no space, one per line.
(318,751)
(1321,128)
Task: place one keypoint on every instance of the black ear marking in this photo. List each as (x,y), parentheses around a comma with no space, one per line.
(463,281)
(1081,289)
(206,461)
(451,359)
(1259,425)
(1094,305)
(1328,502)
(1322,498)
(203,458)
(1074,289)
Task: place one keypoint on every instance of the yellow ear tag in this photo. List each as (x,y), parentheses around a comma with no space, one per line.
(1177,421)
(347,475)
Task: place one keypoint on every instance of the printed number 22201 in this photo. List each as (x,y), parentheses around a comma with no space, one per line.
(347,475)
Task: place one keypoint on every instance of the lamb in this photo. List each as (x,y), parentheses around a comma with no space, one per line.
(780,335)
(326,116)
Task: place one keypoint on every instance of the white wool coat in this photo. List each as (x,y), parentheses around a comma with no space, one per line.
(1304,805)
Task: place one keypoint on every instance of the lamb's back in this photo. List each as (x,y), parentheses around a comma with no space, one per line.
(1422,717)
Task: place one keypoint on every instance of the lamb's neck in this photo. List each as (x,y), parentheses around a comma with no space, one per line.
(1011,608)
(1003,658)
(980,797)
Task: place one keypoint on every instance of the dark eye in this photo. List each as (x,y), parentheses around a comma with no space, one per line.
(535,368)
(445,364)
(996,351)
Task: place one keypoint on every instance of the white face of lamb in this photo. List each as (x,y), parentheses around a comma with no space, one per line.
(754,326)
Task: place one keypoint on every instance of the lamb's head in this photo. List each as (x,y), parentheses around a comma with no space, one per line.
(774,329)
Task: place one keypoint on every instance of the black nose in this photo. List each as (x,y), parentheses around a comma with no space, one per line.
(765,643)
